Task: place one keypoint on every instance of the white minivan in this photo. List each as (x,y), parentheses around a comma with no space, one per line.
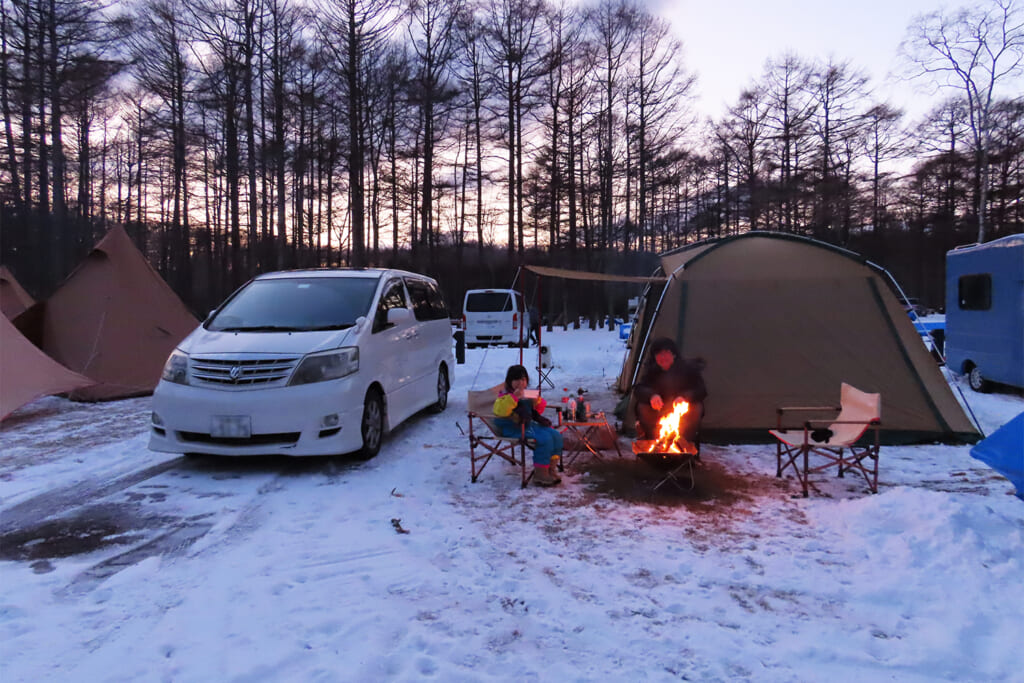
(307,362)
(495,316)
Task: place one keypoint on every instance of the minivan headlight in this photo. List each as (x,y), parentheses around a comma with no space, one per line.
(320,367)
(176,368)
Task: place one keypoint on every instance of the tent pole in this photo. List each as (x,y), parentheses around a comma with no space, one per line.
(515,280)
(538,302)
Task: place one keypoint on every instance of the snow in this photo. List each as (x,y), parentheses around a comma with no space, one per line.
(117,563)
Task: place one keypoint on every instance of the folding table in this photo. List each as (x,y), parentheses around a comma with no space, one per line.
(583,436)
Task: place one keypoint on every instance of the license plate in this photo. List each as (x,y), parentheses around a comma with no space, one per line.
(231,426)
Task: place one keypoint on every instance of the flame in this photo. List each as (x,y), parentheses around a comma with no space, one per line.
(668,429)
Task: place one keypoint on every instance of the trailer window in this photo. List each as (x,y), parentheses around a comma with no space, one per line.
(975,292)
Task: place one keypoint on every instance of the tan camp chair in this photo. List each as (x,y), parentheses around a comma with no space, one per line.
(486,441)
(834,440)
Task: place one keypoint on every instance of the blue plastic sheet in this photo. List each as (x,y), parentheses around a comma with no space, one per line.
(1003,451)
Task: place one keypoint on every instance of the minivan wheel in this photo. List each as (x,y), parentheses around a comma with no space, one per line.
(442,391)
(977,381)
(372,426)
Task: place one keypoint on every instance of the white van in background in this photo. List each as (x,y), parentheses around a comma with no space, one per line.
(495,316)
(307,362)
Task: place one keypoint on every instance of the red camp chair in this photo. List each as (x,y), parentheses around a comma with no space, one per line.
(838,441)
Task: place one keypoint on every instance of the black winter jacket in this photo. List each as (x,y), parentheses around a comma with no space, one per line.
(683,379)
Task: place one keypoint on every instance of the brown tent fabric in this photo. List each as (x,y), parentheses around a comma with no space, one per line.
(13,297)
(115,321)
(26,373)
(784,320)
(566,274)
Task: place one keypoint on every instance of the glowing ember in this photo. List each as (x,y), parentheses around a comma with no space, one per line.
(669,430)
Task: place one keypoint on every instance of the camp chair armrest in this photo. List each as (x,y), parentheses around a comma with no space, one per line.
(788,409)
(873,422)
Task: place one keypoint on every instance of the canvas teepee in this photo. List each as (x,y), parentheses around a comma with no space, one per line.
(114,320)
(26,373)
(13,297)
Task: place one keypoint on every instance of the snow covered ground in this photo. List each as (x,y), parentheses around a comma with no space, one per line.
(118,564)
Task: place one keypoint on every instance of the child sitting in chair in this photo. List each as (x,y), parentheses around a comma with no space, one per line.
(513,409)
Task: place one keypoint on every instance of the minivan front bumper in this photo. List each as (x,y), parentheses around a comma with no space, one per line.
(322,418)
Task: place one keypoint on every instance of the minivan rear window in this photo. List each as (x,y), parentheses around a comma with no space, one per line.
(486,302)
(296,305)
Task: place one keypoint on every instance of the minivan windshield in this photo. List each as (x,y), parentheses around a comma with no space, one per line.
(297,304)
(486,302)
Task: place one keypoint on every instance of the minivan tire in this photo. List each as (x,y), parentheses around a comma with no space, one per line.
(372,425)
(442,391)
(978,381)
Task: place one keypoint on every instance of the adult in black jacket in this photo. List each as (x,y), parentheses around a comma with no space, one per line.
(666,379)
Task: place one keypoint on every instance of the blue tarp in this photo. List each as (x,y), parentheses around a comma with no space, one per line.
(1003,451)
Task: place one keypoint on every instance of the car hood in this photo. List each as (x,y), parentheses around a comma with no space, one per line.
(203,341)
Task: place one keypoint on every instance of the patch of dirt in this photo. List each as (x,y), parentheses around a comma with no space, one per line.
(89,529)
(714,486)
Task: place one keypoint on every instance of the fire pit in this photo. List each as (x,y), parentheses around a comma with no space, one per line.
(670,452)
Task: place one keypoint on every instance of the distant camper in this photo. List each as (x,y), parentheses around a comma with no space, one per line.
(985,312)
(495,316)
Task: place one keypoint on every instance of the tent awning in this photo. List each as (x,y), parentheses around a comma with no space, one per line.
(584,275)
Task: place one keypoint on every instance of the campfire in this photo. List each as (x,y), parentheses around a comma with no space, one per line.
(670,439)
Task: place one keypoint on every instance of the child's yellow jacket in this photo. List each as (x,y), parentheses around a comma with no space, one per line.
(505,405)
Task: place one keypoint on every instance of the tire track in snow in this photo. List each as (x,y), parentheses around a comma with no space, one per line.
(54,503)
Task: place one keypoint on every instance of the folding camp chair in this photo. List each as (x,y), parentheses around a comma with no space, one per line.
(487,441)
(837,441)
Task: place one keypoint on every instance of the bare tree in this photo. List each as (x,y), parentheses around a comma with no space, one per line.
(790,108)
(471,73)
(352,30)
(885,140)
(660,87)
(514,40)
(433,39)
(613,23)
(838,91)
(159,48)
(975,50)
(743,136)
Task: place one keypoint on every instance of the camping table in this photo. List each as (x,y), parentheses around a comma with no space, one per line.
(584,437)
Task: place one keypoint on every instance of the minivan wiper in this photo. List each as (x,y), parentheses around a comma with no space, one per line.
(325,328)
(259,328)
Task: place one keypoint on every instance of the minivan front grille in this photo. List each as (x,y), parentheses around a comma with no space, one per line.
(283,439)
(242,372)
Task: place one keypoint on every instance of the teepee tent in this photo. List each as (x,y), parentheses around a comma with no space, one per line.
(13,297)
(114,320)
(783,320)
(26,373)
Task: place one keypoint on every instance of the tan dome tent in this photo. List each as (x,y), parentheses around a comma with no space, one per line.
(26,373)
(785,320)
(13,297)
(113,320)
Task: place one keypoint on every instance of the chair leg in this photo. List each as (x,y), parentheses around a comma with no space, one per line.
(671,476)
(806,477)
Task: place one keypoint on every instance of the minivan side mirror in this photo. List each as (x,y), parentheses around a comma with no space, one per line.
(398,315)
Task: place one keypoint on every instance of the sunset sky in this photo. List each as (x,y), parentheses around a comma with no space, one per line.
(727,41)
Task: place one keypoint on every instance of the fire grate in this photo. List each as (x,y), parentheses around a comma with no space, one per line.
(673,464)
